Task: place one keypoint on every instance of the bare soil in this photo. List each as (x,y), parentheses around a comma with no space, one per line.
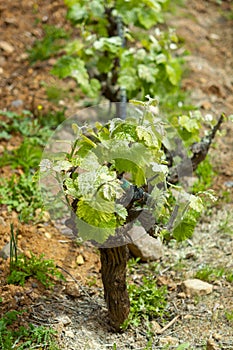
(207,31)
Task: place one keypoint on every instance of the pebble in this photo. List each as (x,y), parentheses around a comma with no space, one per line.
(48,235)
(80,260)
(5,251)
(194,286)
(65,320)
(69,334)
(5,46)
(155,327)
(17,103)
(1,70)
(72,290)
(169,341)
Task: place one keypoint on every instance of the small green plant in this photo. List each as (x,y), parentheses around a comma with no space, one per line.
(22,267)
(22,195)
(229,316)
(147,301)
(210,274)
(42,269)
(17,337)
(36,130)
(52,42)
(205,174)
(26,157)
(226,224)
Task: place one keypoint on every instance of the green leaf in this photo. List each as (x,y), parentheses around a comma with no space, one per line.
(186,226)
(173,70)
(77,13)
(149,17)
(188,123)
(112,44)
(62,165)
(147,73)
(196,203)
(146,134)
(128,79)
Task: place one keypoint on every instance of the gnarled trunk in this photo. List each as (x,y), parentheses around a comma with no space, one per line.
(113,270)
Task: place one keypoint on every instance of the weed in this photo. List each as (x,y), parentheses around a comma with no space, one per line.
(22,267)
(55,94)
(52,42)
(21,194)
(147,301)
(22,337)
(42,269)
(132,264)
(229,316)
(91,281)
(229,277)
(210,274)
(27,157)
(205,175)
(226,224)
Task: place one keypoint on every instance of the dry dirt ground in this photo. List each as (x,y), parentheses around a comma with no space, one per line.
(207,31)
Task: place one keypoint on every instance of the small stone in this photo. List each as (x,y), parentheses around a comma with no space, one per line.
(17,103)
(5,251)
(188,317)
(48,235)
(214,36)
(1,70)
(28,254)
(80,260)
(22,57)
(72,290)
(69,334)
(65,320)
(5,46)
(10,20)
(181,295)
(169,341)
(206,105)
(155,327)
(144,246)
(193,287)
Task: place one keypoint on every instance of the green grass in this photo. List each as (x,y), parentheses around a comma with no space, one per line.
(205,174)
(229,316)
(21,194)
(53,41)
(226,224)
(17,337)
(43,270)
(211,274)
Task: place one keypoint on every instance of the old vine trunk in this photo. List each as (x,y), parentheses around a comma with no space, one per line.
(113,270)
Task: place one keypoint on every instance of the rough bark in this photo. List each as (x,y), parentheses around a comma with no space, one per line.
(113,270)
